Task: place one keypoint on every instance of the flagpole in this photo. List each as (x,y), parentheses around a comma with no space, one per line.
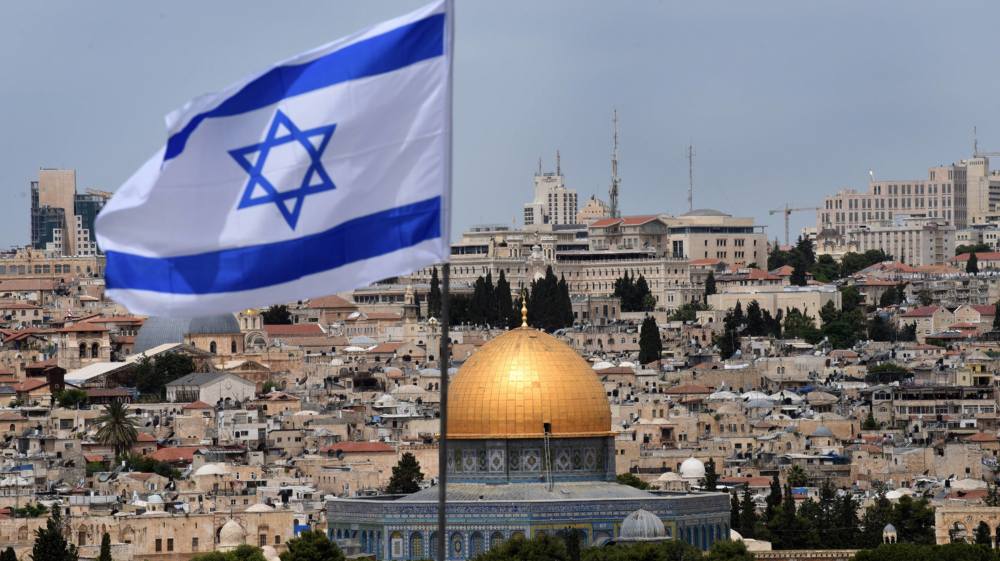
(443,354)
(443,439)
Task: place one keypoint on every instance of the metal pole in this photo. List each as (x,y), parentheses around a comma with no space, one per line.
(443,439)
(443,354)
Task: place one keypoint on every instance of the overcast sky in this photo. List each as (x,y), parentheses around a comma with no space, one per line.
(784,101)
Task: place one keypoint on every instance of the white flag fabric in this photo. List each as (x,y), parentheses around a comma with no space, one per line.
(327,172)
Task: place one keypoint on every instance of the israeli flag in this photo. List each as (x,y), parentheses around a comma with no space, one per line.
(327,172)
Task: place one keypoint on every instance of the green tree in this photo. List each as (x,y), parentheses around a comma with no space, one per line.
(116,429)
(725,550)
(406,476)
(506,314)
(972,248)
(312,545)
(9,555)
(798,325)
(548,305)
(710,284)
(71,398)
(755,320)
(870,423)
(797,477)
(879,329)
(151,376)
(631,480)
(914,520)
(889,298)
(925,297)
(826,269)
(543,547)
(748,515)
(887,373)
(711,480)
(105,554)
(650,345)
(687,312)
(735,507)
(51,544)
(434,295)
(277,315)
(798,277)
(996,316)
(672,550)
(773,497)
(145,464)
(972,265)
(729,341)
(983,536)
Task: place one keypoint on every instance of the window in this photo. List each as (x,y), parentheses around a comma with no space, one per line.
(159,545)
(212,347)
(170,544)
(194,544)
(263,540)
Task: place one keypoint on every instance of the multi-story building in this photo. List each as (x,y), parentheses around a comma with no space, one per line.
(944,195)
(911,240)
(554,203)
(595,209)
(62,221)
(30,262)
(592,257)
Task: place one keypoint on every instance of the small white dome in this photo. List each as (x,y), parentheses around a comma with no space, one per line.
(211,469)
(232,534)
(669,476)
(642,525)
(260,507)
(692,468)
(154,500)
(735,536)
(603,365)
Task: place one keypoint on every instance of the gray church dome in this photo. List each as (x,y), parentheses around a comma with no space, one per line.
(156,331)
(642,525)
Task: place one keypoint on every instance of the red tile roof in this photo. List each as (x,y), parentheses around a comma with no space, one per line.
(175,454)
(982,437)
(702,262)
(921,312)
(30,384)
(196,405)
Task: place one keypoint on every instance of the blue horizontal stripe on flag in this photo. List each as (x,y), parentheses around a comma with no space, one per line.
(259,266)
(393,50)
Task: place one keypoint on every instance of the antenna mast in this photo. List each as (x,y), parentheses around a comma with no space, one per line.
(690,155)
(615,180)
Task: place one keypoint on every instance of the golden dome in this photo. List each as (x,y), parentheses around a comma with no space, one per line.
(521,380)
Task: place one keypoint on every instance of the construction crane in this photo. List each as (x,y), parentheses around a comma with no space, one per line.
(787,211)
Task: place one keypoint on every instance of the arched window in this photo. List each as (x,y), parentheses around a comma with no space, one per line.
(232,347)
(475,544)
(95,350)
(457,546)
(496,538)
(212,347)
(83,350)
(416,545)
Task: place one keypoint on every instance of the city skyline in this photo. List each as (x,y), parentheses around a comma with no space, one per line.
(762,120)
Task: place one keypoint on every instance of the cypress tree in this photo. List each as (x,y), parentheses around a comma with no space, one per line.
(773,498)
(105,554)
(650,345)
(50,544)
(711,480)
(710,284)
(734,510)
(748,515)
(565,303)
(8,554)
(505,304)
(972,265)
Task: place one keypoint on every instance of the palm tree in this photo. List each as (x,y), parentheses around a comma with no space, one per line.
(117,429)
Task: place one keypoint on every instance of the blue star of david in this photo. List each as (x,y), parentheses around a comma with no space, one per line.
(315,180)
